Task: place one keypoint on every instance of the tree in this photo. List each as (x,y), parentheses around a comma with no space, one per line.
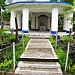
(1,6)
(2,3)
(6,15)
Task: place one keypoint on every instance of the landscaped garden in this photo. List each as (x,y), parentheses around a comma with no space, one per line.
(6,50)
(61,52)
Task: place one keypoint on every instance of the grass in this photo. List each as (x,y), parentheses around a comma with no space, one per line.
(6,28)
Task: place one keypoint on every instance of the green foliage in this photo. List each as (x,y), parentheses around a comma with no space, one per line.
(1,35)
(62,58)
(6,65)
(26,39)
(70,1)
(52,40)
(74,2)
(2,2)
(6,15)
(71,69)
(62,55)
(67,38)
(6,28)
(8,53)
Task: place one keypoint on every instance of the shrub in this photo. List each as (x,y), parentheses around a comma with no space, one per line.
(62,53)
(7,64)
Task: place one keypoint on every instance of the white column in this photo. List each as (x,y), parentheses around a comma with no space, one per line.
(69,26)
(12,20)
(36,23)
(65,23)
(25,20)
(49,23)
(33,21)
(54,22)
(19,20)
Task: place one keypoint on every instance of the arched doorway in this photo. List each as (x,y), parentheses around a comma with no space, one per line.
(43,22)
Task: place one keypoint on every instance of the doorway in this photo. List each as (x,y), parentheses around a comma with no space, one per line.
(43,22)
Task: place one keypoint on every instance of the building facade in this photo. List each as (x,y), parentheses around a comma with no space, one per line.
(40,15)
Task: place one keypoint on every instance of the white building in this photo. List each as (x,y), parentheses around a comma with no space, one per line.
(44,15)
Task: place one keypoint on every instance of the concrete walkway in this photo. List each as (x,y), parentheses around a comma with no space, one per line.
(39,58)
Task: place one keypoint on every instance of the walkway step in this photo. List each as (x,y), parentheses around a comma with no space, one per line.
(38,65)
(40,62)
(48,50)
(39,54)
(39,41)
(39,58)
(34,71)
(39,35)
(39,45)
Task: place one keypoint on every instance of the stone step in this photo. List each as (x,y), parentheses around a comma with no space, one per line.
(39,45)
(38,65)
(41,36)
(38,54)
(33,71)
(39,62)
(39,41)
(39,50)
(38,59)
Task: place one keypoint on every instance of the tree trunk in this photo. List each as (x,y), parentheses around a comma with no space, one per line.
(16,29)
(0,15)
(1,19)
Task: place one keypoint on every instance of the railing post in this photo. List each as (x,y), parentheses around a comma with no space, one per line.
(23,39)
(56,41)
(13,55)
(68,47)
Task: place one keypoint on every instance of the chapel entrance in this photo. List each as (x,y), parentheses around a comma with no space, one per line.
(43,22)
